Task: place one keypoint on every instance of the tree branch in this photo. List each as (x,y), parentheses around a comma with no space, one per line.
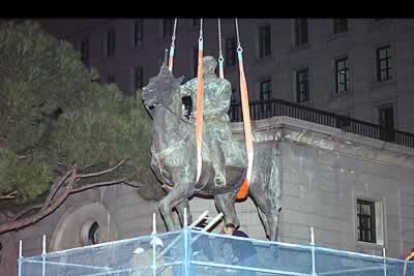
(20,157)
(69,189)
(14,225)
(55,187)
(101,172)
(10,195)
(10,216)
(52,203)
(133,184)
(98,184)
(25,211)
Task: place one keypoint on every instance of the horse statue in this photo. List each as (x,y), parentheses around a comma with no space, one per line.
(174,160)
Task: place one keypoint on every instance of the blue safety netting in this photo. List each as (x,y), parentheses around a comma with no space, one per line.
(189,252)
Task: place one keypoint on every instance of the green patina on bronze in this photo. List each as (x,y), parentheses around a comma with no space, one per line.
(217,134)
(174,151)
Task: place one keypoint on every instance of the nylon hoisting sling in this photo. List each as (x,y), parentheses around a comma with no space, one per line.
(199,104)
(172,48)
(242,193)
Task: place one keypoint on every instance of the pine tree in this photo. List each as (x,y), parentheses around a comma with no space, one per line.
(61,131)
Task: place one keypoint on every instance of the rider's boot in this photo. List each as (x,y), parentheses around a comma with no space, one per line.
(220,179)
(220,176)
(219,164)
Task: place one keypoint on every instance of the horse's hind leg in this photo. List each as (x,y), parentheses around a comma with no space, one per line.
(264,220)
(274,226)
(173,199)
(180,210)
(225,204)
(269,209)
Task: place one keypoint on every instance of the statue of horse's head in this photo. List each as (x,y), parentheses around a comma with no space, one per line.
(161,88)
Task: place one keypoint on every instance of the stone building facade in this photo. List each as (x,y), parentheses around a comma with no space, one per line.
(358,67)
(355,191)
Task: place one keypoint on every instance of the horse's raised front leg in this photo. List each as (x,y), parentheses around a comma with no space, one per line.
(180,210)
(176,196)
(225,204)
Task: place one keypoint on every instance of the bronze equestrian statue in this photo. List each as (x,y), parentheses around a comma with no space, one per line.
(174,155)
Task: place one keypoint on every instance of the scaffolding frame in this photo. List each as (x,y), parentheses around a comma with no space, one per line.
(184,240)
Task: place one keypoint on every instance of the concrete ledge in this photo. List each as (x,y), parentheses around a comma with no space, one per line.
(329,138)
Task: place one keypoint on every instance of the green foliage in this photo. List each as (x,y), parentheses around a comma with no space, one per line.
(53,114)
(27,177)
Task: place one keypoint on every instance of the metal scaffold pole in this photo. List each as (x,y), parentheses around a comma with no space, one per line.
(44,256)
(154,245)
(385,261)
(19,261)
(312,236)
(186,233)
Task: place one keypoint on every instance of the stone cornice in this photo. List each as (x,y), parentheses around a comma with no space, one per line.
(331,139)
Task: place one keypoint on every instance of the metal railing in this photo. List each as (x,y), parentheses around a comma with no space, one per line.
(277,107)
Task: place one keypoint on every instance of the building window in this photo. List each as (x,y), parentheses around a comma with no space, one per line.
(266,90)
(233,107)
(231,52)
(90,233)
(265,96)
(384,58)
(93,234)
(301,32)
(302,85)
(138,33)
(366,221)
(138,78)
(342,75)
(264,41)
(110,43)
(195,61)
(167,27)
(386,122)
(85,51)
(340,25)
(110,79)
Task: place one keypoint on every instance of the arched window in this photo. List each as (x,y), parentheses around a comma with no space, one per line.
(90,233)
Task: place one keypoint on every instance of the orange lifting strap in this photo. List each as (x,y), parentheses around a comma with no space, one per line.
(200,96)
(172,48)
(199,104)
(242,193)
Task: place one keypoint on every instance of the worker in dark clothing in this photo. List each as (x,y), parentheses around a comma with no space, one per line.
(243,252)
(409,263)
(201,249)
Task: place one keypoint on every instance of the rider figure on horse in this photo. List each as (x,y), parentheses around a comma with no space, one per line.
(217,132)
